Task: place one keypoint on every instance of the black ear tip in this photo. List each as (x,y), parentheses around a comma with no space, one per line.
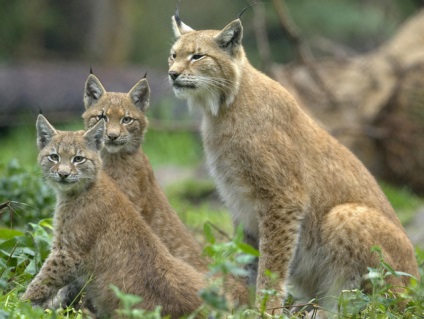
(40,112)
(177,13)
(245,8)
(145,75)
(91,70)
(241,13)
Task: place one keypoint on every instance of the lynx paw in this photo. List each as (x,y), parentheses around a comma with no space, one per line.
(38,295)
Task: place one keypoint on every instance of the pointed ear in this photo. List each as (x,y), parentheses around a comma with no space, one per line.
(179,27)
(230,37)
(93,91)
(140,94)
(95,135)
(45,132)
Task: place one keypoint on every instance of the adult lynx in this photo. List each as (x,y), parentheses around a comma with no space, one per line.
(310,206)
(99,235)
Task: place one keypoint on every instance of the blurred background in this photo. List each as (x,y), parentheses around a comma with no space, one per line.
(357,66)
(47,47)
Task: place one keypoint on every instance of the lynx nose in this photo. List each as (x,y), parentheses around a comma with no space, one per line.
(112,136)
(173,75)
(63,175)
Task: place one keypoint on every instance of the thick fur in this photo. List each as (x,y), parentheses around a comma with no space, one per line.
(99,236)
(306,201)
(125,161)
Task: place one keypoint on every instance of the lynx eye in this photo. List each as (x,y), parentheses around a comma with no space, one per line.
(53,157)
(127,120)
(173,56)
(197,56)
(78,159)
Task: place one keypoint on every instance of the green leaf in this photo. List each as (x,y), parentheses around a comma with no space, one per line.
(47,223)
(128,300)
(401,273)
(389,268)
(244,259)
(212,297)
(247,249)
(6,233)
(207,230)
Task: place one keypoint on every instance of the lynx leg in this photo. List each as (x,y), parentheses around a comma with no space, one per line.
(57,271)
(279,235)
(339,260)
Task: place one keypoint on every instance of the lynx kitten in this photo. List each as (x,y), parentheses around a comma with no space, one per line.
(99,235)
(125,161)
(306,201)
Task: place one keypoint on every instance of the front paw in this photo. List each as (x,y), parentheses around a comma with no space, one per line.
(35,303)
(38,295)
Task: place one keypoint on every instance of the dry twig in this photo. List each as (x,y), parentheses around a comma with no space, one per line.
(304,55)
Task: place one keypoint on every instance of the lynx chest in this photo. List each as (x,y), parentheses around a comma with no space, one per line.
(227,170)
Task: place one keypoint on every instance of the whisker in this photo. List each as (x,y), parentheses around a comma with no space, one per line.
(219,83)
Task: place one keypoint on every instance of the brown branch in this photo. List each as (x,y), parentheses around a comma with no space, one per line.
(4,205)
(261,36)
(313,305)
(219,230)
(370,131)
(303,53)
(8,259)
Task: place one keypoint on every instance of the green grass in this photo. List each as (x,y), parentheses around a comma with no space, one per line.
(196,203)
(403,200)
(177,148)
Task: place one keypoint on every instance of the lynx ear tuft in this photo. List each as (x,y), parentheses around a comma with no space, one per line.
(230,37)
(95,135)
(45,132)
(247,7)
(93,91)
(140,94)
(178,26)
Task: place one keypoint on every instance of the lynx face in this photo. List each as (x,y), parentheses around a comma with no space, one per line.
(123,114)
(204,65)
(69,160)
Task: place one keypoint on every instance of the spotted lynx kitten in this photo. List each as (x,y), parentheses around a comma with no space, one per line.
(307,203)
(124,161)
(99,235)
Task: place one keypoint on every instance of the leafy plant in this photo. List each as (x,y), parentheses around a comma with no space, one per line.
(227,259)
(129,301)
(21,257)
(28,197)
(383,299)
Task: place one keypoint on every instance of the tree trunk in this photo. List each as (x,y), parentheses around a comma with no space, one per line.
(377,106)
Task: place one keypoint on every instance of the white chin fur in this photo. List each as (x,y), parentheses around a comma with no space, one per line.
(182,93)
(66,187)
(113,148)
(209,101)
